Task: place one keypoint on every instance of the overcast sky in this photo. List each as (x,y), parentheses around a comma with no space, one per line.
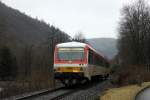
(94,18)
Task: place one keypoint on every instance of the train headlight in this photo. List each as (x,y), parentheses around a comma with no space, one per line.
(57,69)
(75,71)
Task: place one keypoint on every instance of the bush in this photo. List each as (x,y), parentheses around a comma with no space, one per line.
(133,74)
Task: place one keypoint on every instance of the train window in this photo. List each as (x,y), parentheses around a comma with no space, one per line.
(107,64)
(96,60)
(90,58)
(70,54)
(99,61)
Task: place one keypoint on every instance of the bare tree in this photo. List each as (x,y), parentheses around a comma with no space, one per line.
(134,33)
(8,67)
(79,37)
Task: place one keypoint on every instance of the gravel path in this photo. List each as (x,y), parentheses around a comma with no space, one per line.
(89,94)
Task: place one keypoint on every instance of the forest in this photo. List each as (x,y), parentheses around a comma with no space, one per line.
(134,44)
(26,50)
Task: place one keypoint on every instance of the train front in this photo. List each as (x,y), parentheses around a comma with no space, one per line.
(70,62)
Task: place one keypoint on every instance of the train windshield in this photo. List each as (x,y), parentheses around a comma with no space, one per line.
(71,53)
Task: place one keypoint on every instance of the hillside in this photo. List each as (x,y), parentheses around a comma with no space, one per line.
(29,44)
(23,28)
(106,46)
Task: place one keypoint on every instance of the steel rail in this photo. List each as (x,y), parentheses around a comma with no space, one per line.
(39,94)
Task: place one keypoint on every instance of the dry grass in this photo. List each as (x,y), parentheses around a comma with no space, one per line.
(123,93)
(17,88)
(130,75)
(12,88)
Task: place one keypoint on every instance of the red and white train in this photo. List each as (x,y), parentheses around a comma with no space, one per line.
(75,62)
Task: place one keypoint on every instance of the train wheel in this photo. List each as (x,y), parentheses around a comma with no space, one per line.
(84,81)
(70,82)
(105,77)
(96,78)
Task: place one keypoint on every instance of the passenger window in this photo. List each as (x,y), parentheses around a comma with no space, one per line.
(90,60)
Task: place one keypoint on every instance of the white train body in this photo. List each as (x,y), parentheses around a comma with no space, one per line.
(75,61)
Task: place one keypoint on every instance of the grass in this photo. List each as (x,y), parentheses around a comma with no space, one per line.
(123,93)
(12,88)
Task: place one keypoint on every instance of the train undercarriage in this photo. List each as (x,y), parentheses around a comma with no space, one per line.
(70,79)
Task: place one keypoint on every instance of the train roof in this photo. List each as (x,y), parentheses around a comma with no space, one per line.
(75,44)
(71,44)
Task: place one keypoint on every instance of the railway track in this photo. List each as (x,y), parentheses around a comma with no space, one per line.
(91,92)
(81,92)
(55,94)
(40,94)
